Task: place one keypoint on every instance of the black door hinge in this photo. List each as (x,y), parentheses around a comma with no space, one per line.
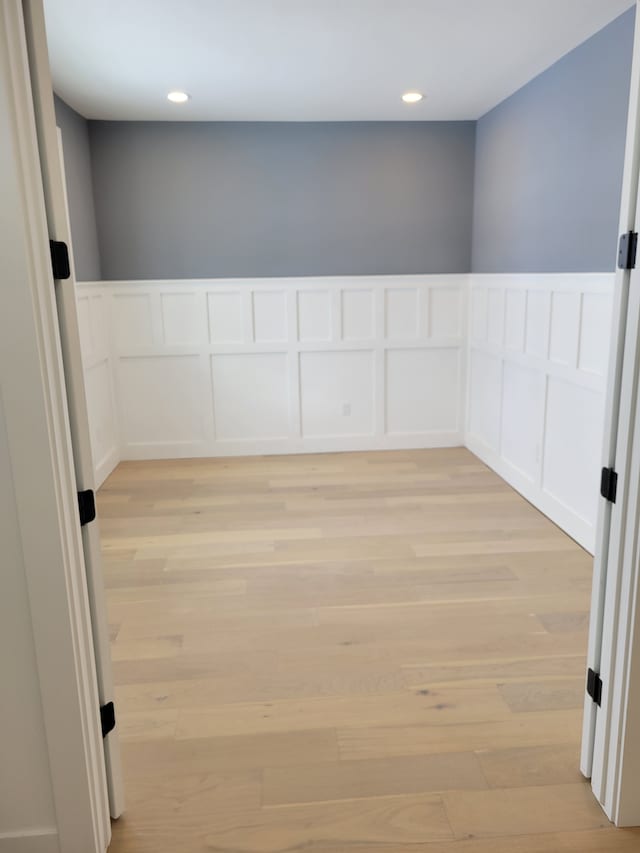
(594,686)
(59,260)
(107,718)
(627,250)
(609,484)
(87,507)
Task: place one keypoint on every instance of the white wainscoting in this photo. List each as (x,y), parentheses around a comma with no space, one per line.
(538,352)
(236,367)
(95,339)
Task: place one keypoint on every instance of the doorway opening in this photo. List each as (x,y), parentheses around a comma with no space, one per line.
(369,635)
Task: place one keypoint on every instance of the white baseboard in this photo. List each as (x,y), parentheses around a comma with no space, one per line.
(106,465)
(336,444)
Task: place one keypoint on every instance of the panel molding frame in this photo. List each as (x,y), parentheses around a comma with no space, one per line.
(97,344)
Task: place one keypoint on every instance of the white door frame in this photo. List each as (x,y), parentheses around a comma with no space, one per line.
(611,731)
(52,168)
(616,419)
(35,404)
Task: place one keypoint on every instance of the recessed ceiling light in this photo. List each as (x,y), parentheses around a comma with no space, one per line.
(178,97)
(412,97)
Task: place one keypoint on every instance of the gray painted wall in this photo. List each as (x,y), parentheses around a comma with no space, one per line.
(180,200)
(549,164)
(77,165)
(195,200)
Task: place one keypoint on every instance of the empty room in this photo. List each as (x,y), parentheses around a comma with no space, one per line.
(320,458)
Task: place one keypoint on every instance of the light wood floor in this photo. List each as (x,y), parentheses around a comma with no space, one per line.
(378,652)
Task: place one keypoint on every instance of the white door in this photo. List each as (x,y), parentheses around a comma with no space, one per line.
(613,585)
(42,504)
(58,222)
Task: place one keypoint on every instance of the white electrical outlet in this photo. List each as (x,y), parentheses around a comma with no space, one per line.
(346,409)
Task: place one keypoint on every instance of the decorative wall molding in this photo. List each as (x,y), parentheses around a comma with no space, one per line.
(98,363)
(538,351)
(260,366)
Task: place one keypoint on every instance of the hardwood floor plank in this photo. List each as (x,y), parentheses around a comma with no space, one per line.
(143,760)
(495,671)
(364,823)
(557,623)
(341,780)
(537,765)
(397,709)
(523,811)
(544,695)
(256,678)
(589,841)
(156,724)
(135,651)
(522,730)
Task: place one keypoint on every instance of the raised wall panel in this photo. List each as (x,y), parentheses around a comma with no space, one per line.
(573,437)
(83,308)
(99,327)
(402,313)
(98,363)
(495,316)
(226,318)
(445,312)
(314,315)
(565,328)
(161,399)
(485,398)
(537,328)
(357,315)
(479,315)
(270,316)
(514,319)
(336,393)
(132,321)
(250,396)
(102,426)
(423,390)
(595,333)
(522,413)
(181,318)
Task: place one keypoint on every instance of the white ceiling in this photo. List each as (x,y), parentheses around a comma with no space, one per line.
(308,60)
